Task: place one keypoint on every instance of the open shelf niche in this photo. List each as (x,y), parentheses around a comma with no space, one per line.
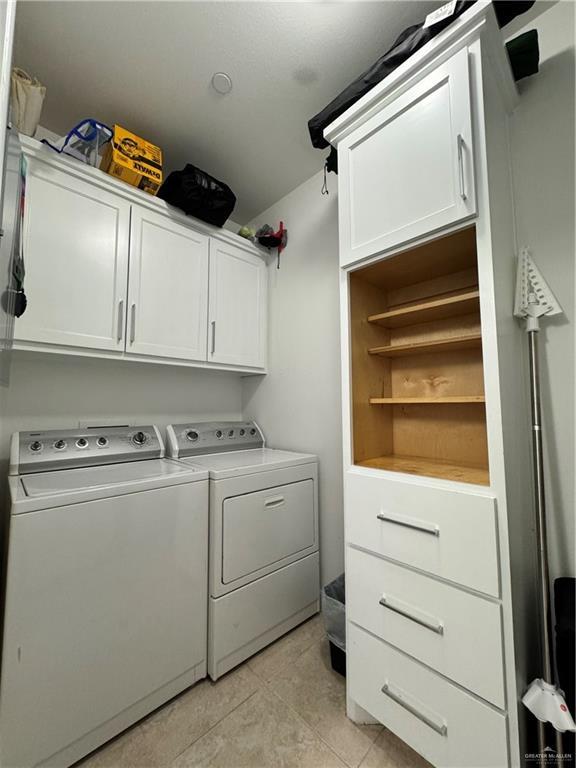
(417,375)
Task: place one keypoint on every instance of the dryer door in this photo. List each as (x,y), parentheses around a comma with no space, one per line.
(268,527)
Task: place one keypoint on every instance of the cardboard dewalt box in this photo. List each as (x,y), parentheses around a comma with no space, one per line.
(134,160)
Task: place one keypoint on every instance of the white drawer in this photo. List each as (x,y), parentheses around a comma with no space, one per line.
(266,527)
(454,632)
(446,725)
(449,533)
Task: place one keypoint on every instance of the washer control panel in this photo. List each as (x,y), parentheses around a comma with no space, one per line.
(213,437)
(70,448)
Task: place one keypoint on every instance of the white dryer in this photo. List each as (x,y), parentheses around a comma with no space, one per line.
(106,596)
(264,569)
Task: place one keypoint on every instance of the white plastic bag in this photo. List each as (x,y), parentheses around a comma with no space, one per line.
(27,100)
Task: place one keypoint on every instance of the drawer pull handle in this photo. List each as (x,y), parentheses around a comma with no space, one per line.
(275,501)
(399,699)
(434,625)
(416,525)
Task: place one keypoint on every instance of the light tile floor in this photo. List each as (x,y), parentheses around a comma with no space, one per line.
(284,708)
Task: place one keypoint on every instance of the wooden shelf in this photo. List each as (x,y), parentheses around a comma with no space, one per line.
(435,309)
(417,394)
(426,400)
(450,344)
(416,465)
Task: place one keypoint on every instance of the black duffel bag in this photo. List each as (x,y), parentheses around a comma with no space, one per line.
(198,194)
(409,41)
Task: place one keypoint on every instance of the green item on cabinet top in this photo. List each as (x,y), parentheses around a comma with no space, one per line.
(248,232)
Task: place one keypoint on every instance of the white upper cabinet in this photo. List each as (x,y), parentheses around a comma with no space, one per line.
(408,170)
(76,259)
(111,272)
(237,306)
(168,288)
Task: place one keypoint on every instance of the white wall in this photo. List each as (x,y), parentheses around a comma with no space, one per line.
(298,403)
(48,391)
(542,140)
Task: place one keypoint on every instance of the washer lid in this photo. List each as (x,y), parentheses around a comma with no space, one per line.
(70,480)
(234,463)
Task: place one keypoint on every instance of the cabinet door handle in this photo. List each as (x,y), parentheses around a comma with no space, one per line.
(275,501)
(460,144)
(435,625)
(132,323)
(400,699)
(120,320)
(213,328)
(416,525)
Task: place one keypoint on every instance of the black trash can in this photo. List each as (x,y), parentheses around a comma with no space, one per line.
(334,613)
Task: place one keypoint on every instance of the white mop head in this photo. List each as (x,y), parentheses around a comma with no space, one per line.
(546,702)
(533,295)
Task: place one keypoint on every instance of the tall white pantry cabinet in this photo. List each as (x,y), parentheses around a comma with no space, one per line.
(440,555)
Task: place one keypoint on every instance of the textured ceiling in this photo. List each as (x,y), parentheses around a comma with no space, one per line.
(148,66)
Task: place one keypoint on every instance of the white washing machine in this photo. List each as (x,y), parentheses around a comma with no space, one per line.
(106,595)
(264,569)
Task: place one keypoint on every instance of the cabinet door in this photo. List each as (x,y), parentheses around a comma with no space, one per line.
(76,258)
(168,288)
(237,314)
(409,169)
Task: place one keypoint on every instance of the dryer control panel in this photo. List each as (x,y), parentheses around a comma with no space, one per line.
(212,437)
(42,451)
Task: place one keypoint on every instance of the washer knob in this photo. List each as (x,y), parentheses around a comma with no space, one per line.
(192,435)
(60,444)
(139,438)
(36,446)
(252,431)
(81,442)
(242,432)
(231,433)
(102,442)
(218,433)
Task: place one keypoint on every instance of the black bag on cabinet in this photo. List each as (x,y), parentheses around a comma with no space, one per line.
(198,194)
(407,43)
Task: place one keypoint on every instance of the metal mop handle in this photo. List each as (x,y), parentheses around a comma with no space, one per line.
(543,572)
(534,300)
(540,502)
